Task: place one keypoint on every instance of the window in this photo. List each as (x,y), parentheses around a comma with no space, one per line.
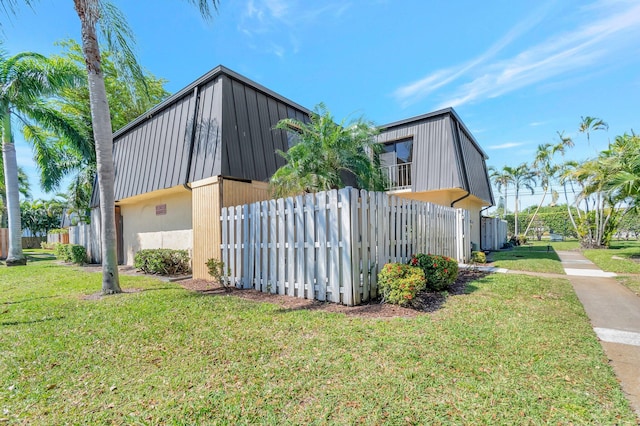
(396,161)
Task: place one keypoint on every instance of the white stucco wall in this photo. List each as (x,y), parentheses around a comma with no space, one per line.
(144,229)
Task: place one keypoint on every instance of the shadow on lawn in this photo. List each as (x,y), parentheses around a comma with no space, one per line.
(27,322)
(28,300)
(424,302)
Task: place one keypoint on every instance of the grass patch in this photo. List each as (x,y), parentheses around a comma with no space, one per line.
(518,350)
(631,282)
(533,258)
(618,257)
(565,245)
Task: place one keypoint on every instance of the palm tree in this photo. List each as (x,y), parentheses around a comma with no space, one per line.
(500,179)
(326,154)
(546,171)
(103,15)
(589,124)
(58,157)
(520,177)
(118,36)
(25,79)
(24,189)
(625,168)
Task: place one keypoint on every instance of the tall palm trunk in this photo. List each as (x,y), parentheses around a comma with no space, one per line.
(544,195)
(516,214)
(15,255)
(88,13)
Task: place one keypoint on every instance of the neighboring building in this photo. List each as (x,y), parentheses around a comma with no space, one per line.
(434,157)
(213,145)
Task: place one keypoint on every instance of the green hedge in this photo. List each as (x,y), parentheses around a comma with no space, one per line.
(162,261)
(71,253)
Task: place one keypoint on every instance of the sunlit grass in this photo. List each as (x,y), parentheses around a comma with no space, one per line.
(617,258)
(516,350)
(533,258)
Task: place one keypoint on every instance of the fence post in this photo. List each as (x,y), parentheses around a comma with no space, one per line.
(345,239)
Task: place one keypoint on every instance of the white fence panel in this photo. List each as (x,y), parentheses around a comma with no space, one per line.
(332,245)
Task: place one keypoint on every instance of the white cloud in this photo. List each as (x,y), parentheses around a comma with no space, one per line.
(506,145)
(419,89)
(275,17)
(559,54)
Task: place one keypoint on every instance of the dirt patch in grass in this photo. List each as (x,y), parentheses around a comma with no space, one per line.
(423,303)
(99,295)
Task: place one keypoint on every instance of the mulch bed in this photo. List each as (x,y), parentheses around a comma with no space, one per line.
(424,302)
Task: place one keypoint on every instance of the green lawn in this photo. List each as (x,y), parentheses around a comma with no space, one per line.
(618,258)
(534,258)
(516,350)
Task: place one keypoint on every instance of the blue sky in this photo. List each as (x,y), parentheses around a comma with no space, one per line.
(516,72)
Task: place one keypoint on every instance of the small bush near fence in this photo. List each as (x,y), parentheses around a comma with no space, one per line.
(162,261)
(439,271)
(71,253)
(478,257)
(399,283)
(217,272)
(48,246)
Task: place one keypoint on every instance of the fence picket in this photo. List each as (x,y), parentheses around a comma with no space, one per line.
(282,263)
(226,273)
(365,256)
(309,246)
(334,250)
(273,240)
(332,245)
(321,264)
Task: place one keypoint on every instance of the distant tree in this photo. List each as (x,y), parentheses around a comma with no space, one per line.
(589,124)
(325,153)
(521,177)
(500,179)
(40,216)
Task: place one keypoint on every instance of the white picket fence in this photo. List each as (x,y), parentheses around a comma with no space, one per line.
(331,245)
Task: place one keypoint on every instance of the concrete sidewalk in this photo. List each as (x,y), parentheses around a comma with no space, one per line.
(614,311)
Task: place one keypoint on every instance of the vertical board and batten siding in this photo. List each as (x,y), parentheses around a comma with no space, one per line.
(233,120)
(207,142)
(331,245)
(208,197)
(152,155)
(250,140)
(434,155)
(475,167)
(444,154)
(206,202)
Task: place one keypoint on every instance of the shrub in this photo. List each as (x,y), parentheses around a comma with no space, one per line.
(48,246)
(162,261)
(63,252)
(216,270)
(77,253)
(439,271)
(399,283)
(71,253)
(58,231)
(478,257)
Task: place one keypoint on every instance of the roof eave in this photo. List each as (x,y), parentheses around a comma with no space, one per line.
(217,71)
